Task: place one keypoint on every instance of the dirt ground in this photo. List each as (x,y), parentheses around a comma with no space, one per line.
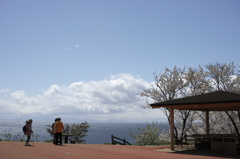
(17,150)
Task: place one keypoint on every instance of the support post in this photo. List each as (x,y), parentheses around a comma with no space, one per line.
(172,127)
(112,140)
(207,122)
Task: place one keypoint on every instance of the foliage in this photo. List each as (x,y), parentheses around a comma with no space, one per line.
(10,137)
(148,135)
(79,131)
(107,143)
(179,83)
(49,130)
(48,141)
(6,137)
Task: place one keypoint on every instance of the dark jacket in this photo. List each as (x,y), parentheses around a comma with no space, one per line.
(29,128)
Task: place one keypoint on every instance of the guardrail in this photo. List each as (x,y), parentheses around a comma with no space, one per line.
(116,140)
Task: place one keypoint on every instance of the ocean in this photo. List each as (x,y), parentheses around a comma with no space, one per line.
(99,133)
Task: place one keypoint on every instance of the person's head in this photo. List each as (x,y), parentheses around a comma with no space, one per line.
(27,122)
(59,119)
(30,120)
(56,119)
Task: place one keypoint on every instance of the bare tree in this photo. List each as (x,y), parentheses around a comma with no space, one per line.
(178,83)
(226,77)
(169,85)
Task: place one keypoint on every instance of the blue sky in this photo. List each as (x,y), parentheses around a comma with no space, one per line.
(86,60)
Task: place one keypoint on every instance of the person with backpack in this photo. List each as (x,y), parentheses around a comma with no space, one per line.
(59,130)
(28,131)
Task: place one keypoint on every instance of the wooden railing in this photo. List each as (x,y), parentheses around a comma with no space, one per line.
(116,140)
(188,138)
(194,136)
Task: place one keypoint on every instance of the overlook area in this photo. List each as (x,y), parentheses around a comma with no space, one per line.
(90,151)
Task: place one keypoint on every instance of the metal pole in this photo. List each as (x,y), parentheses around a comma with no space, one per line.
(33,138)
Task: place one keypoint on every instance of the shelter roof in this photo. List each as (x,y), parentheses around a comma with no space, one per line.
(214,101)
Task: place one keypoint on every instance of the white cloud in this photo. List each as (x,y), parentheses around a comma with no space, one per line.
(54,89)
(5,90)
(113,99)
(76,45)
(21,98)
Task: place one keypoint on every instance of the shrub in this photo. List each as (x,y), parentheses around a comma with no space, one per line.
(79,131)
(148,135)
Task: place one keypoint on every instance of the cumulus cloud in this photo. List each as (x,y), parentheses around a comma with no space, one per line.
(54,89)
(110,99)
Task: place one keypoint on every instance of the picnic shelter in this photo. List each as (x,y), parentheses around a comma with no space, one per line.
(214,101)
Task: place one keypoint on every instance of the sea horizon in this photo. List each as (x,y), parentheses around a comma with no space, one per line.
(99,133)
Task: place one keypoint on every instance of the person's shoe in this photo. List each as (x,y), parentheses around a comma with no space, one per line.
(27,144)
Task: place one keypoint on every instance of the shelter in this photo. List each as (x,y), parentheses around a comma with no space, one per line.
(214,101)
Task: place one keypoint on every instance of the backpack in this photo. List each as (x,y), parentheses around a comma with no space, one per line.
(24,128)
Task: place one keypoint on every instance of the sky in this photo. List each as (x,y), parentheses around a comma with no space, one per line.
(88,60)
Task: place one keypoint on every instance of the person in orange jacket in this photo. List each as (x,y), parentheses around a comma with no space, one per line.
(59,130)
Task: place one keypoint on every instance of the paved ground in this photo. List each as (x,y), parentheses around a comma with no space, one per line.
(17,150)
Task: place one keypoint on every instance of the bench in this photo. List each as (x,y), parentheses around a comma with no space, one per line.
(66,137)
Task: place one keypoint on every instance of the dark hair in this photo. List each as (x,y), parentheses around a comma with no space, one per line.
(56,119)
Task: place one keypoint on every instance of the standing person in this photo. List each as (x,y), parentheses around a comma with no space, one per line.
(54,131)
(59,130)
(28,132)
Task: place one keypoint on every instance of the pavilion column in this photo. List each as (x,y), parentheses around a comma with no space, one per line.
(207,122)
(172,127)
